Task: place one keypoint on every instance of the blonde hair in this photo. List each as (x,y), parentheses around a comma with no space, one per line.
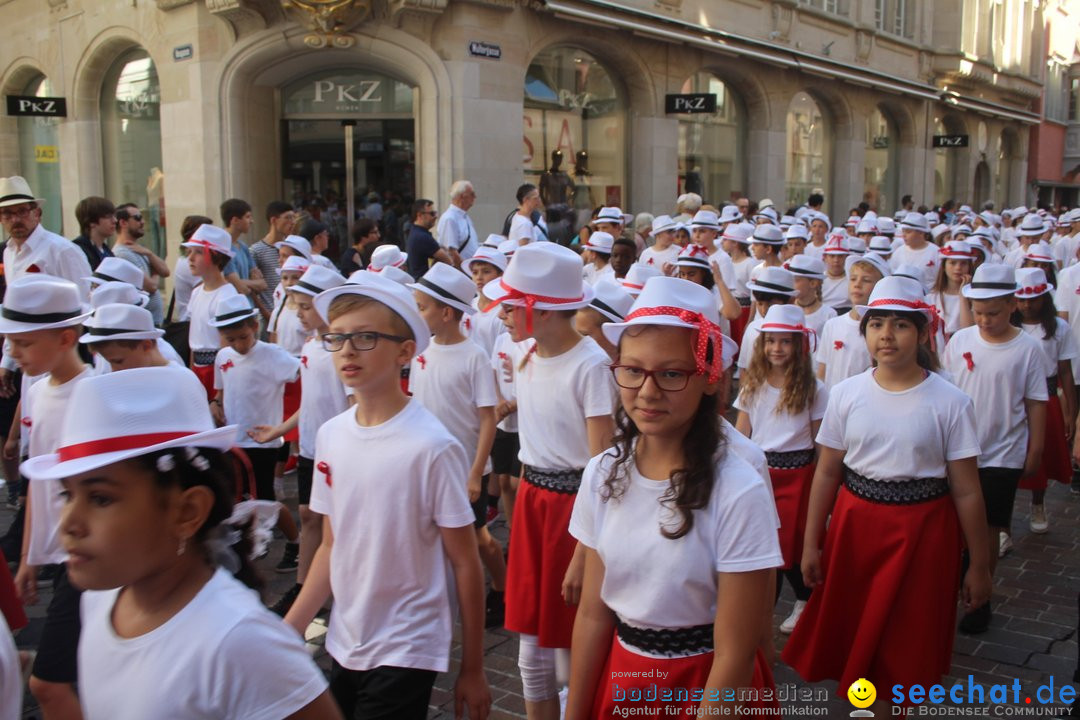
(800,385)
(344,304)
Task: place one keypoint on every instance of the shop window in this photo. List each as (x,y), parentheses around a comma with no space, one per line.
(39,156)
(712,147)
(808,151)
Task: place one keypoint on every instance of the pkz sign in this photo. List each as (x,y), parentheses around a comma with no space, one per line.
(30,106)
(950,141)
(690,104)
(358,92)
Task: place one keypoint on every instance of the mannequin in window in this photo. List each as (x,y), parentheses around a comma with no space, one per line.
(155,203)
(556,187)
(583,203)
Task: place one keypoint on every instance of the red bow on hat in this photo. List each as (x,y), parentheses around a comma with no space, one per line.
(303,361)
(968,359)
(800,328)
(936,323)
(422,360)
(694,250)
(325,470)
(838,344)
(226,365)
(705,332)
(1035,290)
(530,301)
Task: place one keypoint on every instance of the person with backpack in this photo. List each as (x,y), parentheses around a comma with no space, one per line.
(527,224)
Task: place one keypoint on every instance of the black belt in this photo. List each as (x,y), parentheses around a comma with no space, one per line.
(1052,385)
(899,492)
(744,301)
(566,482)
(789,460)
(204,357)
(669,642)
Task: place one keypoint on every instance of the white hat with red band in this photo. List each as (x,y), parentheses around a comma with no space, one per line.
(211,237)
(41,302)
(853,221)
(774,280)
(122,415)
(120,321)
(449,286)
(296,264)
(836,245)
(488,255)
(114,269)
(611,300)
(384,290)
(787,318)
(600,242)
(673,302)
(898,293)
(118,292)
(957,250)
(693,256)
(1039,252)
(637,276)
(806,266)
(991,280)
(386,255)
(541,276)
(1032,283)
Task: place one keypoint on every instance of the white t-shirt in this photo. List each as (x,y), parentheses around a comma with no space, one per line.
(750,334)
(1067,299)
(658,258)
(899,435)
(102,366)
(1003,376)
(482,328)
(456,230)
(592,275)
(815,251)
(254,385)
(323,395)
(555,397)
(386,491)
(834,292)
(1016,256)
(11,684)
(453,381)
(652,581)
(288,332)
(949,308)
(926,258)
(742,268)
(842,350)
(522,228)
(1062,346)
(223,655)
(727,268)
(44,404)
(515,352)
(751,454)
(202,307)
(775,431)
(183,283)
(817,320)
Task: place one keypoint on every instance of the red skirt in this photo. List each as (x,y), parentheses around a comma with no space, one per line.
(10,605)
(738,325)
(619,692)
(791,489)
(205,373)
(1057,462)
(539,555)
(887,608)
(291,403)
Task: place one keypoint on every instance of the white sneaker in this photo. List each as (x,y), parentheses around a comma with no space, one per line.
(1039,522)
(1004,544)
(788,626)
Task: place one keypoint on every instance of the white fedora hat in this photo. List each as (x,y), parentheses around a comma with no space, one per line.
(855,245)
(909,272)
(542,276)
(806,266)
(317,279)
(382,289)
(1032,282)
(1031,225)
(662,223)
(298,243)
(612,215)
(600,242)
(296,264)
(113,269)
(122,415)
(233,309)
(774,280)
(508,248)
(866,226)
(730,213)
(41,302)
(489,255)
(767,235)
(1040,252)
(611,300)
(915,221)
(449,286)
(673,302)
(119,321)
(637,276)
(211,237)
(899,293)
(957,250)
(788,318)
(15,190)
(886,225)
(798,230)
(880,244)
(991,280)
(875,260)
(821,217)
(493,241)
(387,255)
(118,292)
(694,256)
(705,219)
(396,274)
(836,245)
(740,232)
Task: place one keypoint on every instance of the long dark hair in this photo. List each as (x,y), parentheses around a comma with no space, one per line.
(691,487)
(1047,316)
(217,471)
(927,359)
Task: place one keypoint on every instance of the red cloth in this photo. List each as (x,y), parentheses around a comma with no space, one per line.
(205,373)
(738,325)
(291,403)
(539,555)
(887,608)
(1056,462)
(10,604)
(689,673)
(791,489)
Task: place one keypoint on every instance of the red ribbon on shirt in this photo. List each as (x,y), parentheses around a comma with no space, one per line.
(468,324)
(325,470)
(968,359)
(226,365)
(649,261)
(530,300)
(422,360)
(705,332)
(303,361)
(838,344)
(33,268)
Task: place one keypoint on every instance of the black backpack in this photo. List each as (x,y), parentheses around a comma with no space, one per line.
(535,217)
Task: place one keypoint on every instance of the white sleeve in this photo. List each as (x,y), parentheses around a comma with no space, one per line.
(599,392)
(483,384)
(1067,348)
(73,266)
(219,377)
(583,518)
(962,437)
(831,432)
(520,229)
(821,401)
(322,497)
(1034,376)
(446,480)
(746,536)
(447,232)
(286,367)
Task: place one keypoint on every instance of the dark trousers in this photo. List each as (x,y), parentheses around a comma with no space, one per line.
(795,579)
(383,693)
(262,465)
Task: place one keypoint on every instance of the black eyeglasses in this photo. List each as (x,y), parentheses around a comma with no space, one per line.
(131,217)
(360,341)
(668,379)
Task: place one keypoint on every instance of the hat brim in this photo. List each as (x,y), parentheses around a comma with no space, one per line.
(199,245)
(986,293)
(706,226)
(607,314)
(12,327)
(602,251)
(495,291)
(88,338)
(420,331)
(666,228)
(753,287)
(905,226)
(613,332)
(49,467)
(233,320)
(456,304)
(1049,289)
(22,201)
(467,264)
(861,310)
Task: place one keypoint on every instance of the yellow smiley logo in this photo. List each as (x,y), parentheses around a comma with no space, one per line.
(862,693)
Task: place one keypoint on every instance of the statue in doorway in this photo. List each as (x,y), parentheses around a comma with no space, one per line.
(556,187)
(583,204)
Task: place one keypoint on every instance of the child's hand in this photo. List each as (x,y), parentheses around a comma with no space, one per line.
(811,567)
(263,433)
(11,448)
(502,410)
(668,268)
(977,587)
(26,583)
(217,413)
(572,581)
(473,486)
(471,691)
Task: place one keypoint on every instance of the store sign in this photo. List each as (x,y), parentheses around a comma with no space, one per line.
(950,141)
(46,154)
(881,142)
(30,106)
(690,104)
(345,93)
(483,49)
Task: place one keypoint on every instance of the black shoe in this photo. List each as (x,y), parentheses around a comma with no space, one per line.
(282,605)
(977,621)
(288,560)
(494,610)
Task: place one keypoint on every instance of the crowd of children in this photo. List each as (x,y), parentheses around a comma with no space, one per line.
(587,395)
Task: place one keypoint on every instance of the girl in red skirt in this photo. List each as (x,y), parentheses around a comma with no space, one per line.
(902,442)
(679,531)
(736,242)
(780,406)
(1037,316)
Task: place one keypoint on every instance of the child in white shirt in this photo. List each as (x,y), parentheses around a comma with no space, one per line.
(209,251)
(841,350)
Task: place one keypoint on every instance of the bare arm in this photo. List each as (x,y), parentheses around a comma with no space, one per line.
(1036,415)
(266,433)
(591,641)
(600,429)
(471,689)
(967,497)
(316,590)
(738,596)
(827,478)
(742,423)
(321,708)
(1068,397)
(483,451)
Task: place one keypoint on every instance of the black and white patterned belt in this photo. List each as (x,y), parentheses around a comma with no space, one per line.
(789,460)
(895,492)
(1052,385)
(566,482)
(204,357)
(744,301)
(668,642)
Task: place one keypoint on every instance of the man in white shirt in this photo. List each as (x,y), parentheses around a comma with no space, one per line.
(455,230)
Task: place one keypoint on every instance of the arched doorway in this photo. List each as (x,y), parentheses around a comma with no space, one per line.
(39,155)
(712,147)
(1003,180)
(809,153)
(982,183)
(880,164)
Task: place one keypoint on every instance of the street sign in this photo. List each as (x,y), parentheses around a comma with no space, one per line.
(690,104)
(483,49)
(950,141)
(183,52)
(30,106)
